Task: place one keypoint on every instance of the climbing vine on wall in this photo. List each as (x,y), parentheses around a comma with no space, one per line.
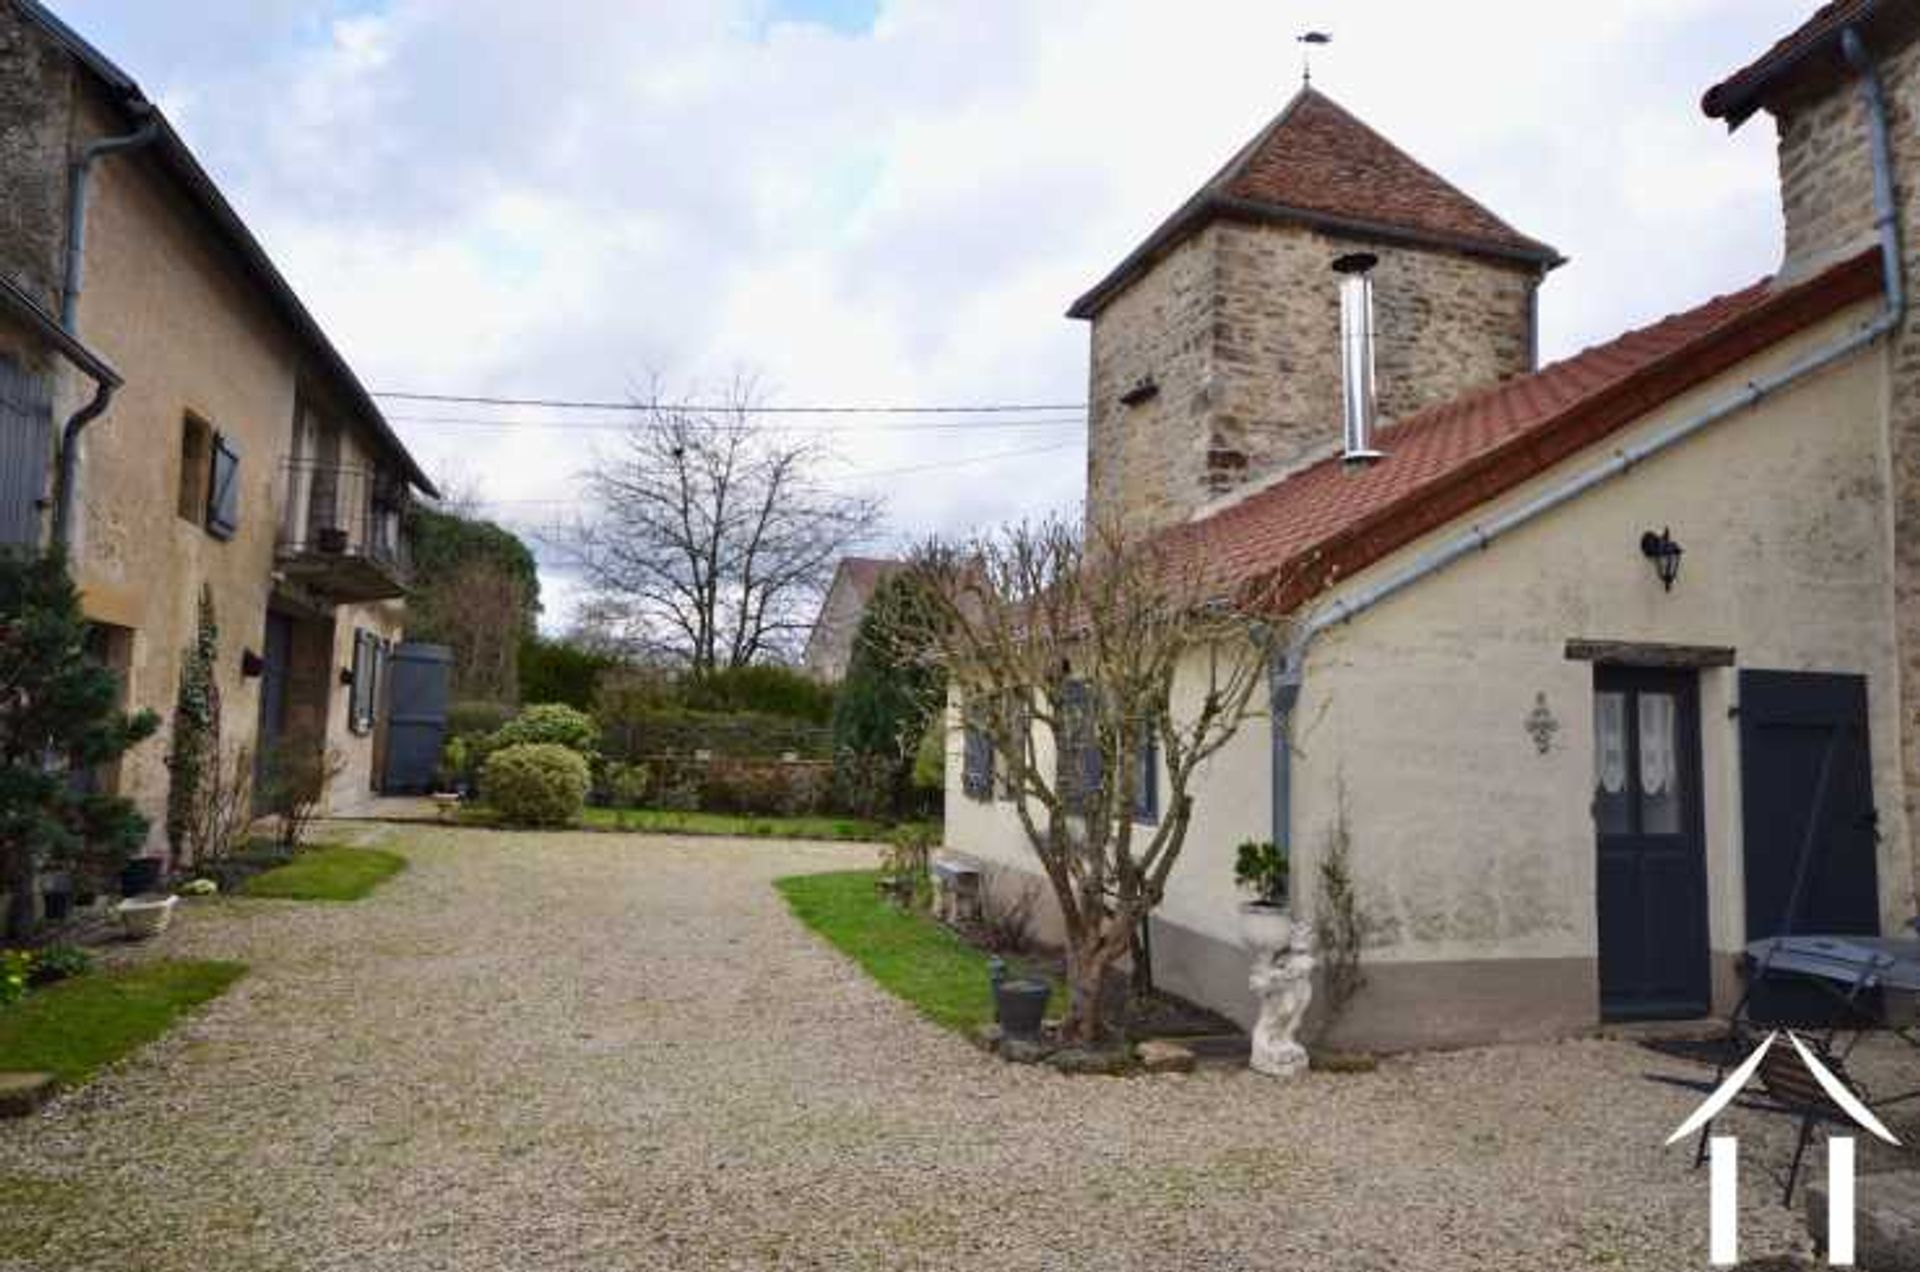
(196,728)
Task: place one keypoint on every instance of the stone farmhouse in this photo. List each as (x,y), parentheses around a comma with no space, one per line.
(1581,657)
(173,415)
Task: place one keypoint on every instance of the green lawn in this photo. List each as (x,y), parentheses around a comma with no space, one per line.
(912,957)
(74,1027)
(327,874)
(660,822)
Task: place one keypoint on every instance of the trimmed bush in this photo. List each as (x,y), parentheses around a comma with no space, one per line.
(536,783)
(549,723)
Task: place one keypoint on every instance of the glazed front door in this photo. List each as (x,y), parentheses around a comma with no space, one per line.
(1651,845)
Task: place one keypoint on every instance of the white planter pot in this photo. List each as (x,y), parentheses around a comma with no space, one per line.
(145,917)
(1265,929)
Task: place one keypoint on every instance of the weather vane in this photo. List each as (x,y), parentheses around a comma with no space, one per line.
(1309,39)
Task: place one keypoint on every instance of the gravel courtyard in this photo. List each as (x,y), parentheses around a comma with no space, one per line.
(600,1052)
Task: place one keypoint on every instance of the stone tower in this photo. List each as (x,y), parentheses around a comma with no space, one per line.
(1216,356)
(1826,195)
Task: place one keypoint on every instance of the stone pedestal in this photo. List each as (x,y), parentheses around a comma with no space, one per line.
(1283,981)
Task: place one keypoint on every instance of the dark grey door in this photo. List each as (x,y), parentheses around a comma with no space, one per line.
(277,657)
(26,454)
(1806,801)
(1652,886)
(418,680)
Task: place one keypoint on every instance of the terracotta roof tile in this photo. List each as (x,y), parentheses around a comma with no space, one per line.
(1329,520)
(1317,157)
(1317,164)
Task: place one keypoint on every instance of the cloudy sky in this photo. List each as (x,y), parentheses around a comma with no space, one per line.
(887,201)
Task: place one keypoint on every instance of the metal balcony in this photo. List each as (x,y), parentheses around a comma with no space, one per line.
(340,532)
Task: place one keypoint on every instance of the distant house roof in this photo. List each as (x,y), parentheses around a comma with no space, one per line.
(855,580)
(1326,522)
(865,574)
(179,160)
(1316,164)
(1810,56)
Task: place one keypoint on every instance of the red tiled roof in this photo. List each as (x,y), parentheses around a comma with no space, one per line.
(1809,53)
(1317,164)
(1328,521)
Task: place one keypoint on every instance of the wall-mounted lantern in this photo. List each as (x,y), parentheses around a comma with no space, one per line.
(252,665)
(1665,555)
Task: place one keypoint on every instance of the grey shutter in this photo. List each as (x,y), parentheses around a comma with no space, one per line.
(976,768)
(26,454)
(1146,789)
(223,490)
(1077,770)
(358,714)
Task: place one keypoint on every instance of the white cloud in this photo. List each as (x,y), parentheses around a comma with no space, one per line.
(496,196)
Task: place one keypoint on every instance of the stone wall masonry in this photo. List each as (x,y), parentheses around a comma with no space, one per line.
(1826,196)
(1239,328)
(1143,461)
(36,89)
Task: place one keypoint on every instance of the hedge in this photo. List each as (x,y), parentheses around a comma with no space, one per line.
(642,736)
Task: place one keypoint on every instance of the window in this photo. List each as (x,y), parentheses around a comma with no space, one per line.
(223,489)
(196,465)
(367,661)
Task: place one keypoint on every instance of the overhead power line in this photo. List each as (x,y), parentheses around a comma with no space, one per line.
(990,457)
(569,404)
(461,421)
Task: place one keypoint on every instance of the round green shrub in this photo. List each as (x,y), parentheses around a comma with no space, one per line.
(536,783)
(552,723)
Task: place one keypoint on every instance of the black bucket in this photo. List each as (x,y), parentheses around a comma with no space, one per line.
(1021,1005)
(140,876)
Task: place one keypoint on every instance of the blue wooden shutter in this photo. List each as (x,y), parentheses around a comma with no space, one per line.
(26,454)
(223,489)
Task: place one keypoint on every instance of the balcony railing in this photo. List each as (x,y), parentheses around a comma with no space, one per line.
(340,531)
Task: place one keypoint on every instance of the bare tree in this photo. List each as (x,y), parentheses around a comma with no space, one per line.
(1100,652)
(713,534)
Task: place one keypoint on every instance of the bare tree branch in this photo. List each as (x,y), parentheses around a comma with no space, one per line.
(712,536)
(1112,650)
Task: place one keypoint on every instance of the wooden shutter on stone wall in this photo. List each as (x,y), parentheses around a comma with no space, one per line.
(26,454)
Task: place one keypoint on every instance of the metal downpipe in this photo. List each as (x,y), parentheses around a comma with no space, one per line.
(79,187)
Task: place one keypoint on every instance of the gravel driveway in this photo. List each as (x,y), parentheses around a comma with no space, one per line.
(599,1052)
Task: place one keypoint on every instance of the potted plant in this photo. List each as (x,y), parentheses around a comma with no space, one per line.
(1261,867)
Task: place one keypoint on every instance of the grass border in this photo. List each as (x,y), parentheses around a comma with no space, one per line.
(77,1027)
(908,953)
(326,872)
